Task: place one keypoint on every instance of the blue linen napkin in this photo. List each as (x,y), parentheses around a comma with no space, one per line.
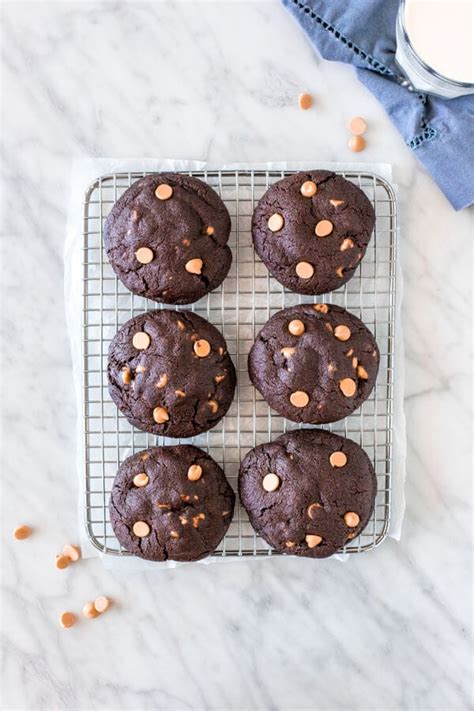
(439,131)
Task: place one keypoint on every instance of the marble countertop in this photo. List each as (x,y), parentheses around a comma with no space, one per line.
(388,630)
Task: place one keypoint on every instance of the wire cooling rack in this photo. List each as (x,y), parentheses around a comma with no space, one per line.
(239,308)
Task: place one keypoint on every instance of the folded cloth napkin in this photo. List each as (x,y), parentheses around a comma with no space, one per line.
(439,131)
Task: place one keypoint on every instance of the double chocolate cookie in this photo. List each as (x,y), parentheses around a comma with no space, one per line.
(311,230)
(171,503)
(170,373)
(166,238)
(308,492)
(314,363)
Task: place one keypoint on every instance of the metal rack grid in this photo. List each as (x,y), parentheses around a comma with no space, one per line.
(239,308)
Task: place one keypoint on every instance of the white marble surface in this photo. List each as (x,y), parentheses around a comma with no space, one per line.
(389,630)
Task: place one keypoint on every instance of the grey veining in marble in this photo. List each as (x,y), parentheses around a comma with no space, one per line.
(388,630)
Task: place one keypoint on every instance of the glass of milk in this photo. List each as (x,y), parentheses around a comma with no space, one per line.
(435,46)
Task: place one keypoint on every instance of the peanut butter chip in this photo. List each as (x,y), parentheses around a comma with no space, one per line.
(72,552)
(312,510)
(141,529)
(140,480)
(141,340)
(275,222)
(362,373)
(194,472)
(202,348)
(304,270)
(322,308)
(340,272)
(351,519)
(336,203)
(299,398)
(356,143)
(174,534)
(164,191)
(347,244)
(181,325)
(209,230)
(67,619)
(140,369)
(287,352)
(348,387)
(305,101)
(194,266)
(219,378)
(308,189)
(290,544)
(324,228)
(354,362)
(342,333)
(89,611)
(101,603)
(126,376)
(163,381)
(313,540)
(296,327)
(144,255)
(62,561)
(357,126)
(214,406)
(160,415)
(271,482)
(338,459)
(22,532)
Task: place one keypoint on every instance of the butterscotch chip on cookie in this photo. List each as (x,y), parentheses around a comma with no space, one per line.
(316,508)
(319,372)
(311,230)
(175,516)
(181,384)
(166,238)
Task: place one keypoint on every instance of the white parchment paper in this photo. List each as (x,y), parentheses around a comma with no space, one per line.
(85,171)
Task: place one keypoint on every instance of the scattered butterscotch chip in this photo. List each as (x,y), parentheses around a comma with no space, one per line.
(67,619)
(296,327)
(214,406)
(312,510)
(313,540)
(271,482)
(308,189)
(351,519)
(161,506)
(336,203)
(221,350)
(348,387)
(174,534)
(202,348)
(141,529)
(22,532)
(141,340)
(362,373)
(62,562)
(340,272)
(338,459)
(164,191)
(185,242)
(304,270)
(299,398)
(196,519)
(180,393)
(305,101)
(194,472)
(357,126)
(141,480)
(322,308)
(72,552)
(354,362)
(219,378)
(332,367)
(194,266)
(209,230)
(163,381)
(324,228)
(181,325)
(346,244)
(126,376)
(160,415)
(356,143)
(290,544)
(275,222)
(184,520)
(140,369)
(342,333)
(144,255)
(89,610)
(102,604)
(350,352)
(287,352)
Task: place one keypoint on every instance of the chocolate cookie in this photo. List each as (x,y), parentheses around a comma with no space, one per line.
(170,373)
(311,230)
(171,503)
(314,363)
(166,238)
(308,492)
